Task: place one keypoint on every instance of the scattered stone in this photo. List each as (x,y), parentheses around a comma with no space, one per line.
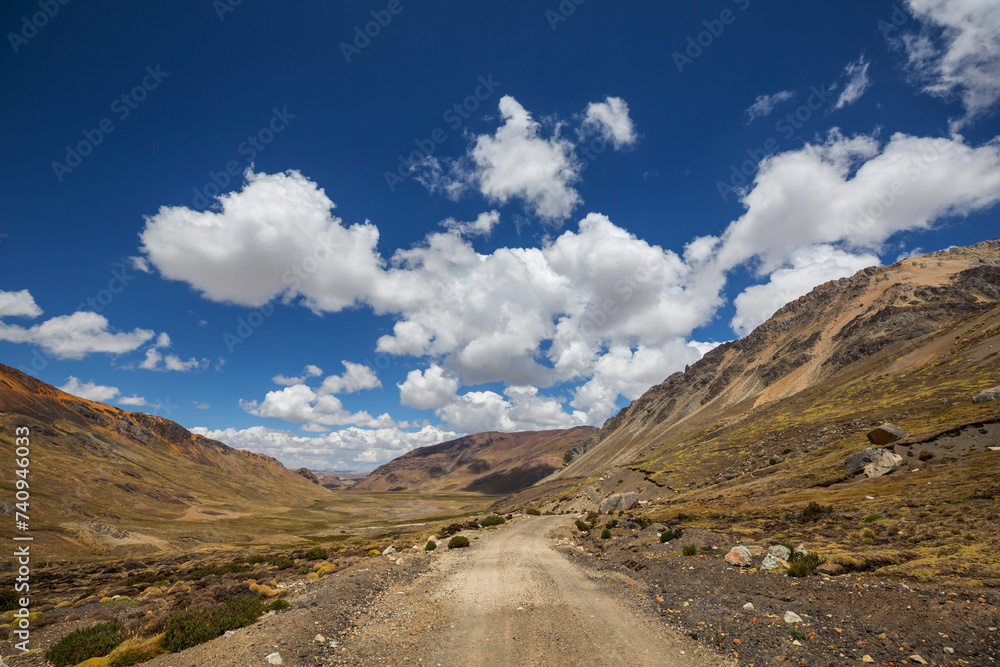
(319,638)
(801,550)
(780,551)
(389,550)
(619,501)
(740,557)
(229,633)
(273,659)
(831,569)
(886,434)
(772,562)
(949,650)
(748,606)
(916,658)
(867,658)
(791,618)
(987,395)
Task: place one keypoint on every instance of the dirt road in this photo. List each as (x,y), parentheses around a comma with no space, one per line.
(513,599)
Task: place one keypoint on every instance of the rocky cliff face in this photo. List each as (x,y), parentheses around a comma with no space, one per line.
(839,330)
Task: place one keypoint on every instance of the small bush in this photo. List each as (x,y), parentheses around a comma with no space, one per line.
(278,605)
(492,520)
(8,599)
(533,511)
(581,526)
(872,517)
(666,536)
(925,455)
(430,546)
(797,634)
(813,511)
(458,542)
(80,645)
(217,570)
(135,651)
(186,629)
(281,562)
(605,534)
(868,534)
(804,566)
(317,553)
(591,518)
(689,550)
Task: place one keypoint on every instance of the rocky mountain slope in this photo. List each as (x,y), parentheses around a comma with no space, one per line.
(95,468)
(904,340)
(492,463)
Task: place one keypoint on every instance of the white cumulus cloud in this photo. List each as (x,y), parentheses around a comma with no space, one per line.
(957,53)
(765,104)
(611,120)
(89,390)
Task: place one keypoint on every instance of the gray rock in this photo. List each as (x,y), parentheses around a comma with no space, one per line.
(780,551)
(273,659)
(987,395)
(389,550)
(873,462)
(772,562)
(748,606)
(886,434)
(791,617)
(801,550)
(619,501)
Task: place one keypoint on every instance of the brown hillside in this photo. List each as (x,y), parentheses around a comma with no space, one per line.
(95,467)
(491,463)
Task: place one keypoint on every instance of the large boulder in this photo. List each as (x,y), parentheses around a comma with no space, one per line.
(987,395)
(740,557)
(873,462)
(886,434)
(772,562)
(619,501)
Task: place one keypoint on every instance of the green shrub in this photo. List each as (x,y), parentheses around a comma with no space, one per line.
(797,634)
(666,536)
(533,511)
(591,518)
(582,526)
(186,629)
(217,570)
(256,560)
(8,599)
(278,605)
(803,566)
(281,562)
(135,651)
(458,542)
(605,534)
(317,553)
(80,645)
(492,520)
(925,455)
(813,511)
(690,550)
(872,517)
(430,546)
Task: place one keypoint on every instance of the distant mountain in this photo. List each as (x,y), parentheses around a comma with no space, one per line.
(94,467)
(491,463)
(783,407)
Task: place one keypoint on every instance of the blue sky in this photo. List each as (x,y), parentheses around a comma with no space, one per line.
(332,232)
